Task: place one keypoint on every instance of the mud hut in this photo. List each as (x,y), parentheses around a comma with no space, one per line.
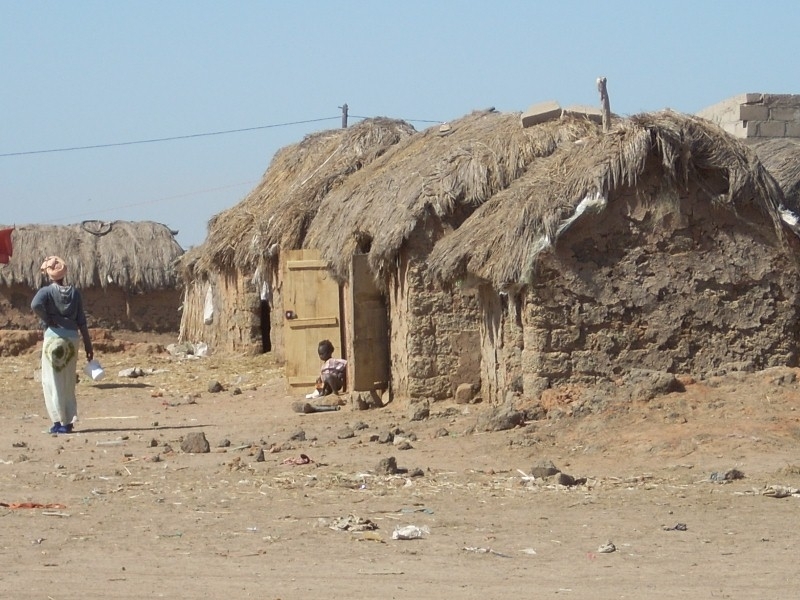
(125,271)
(235,298)
(376,231)
(658,246)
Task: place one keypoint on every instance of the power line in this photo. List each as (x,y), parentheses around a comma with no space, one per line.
(165,198)
(406,120)
(164,139)
(190,136)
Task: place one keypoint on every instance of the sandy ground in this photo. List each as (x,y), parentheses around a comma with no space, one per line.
(118,510)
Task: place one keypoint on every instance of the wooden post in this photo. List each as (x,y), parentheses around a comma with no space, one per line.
(344,115)
(605,106)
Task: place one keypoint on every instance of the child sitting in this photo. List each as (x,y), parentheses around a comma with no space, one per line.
(332,373)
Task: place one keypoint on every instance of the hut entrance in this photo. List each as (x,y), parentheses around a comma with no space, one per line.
(313,313)
(368,321)
(266,342)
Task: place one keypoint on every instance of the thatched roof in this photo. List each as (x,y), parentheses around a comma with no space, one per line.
(781,157)
(442,173)
(276,214)
(136,256)
(500,242)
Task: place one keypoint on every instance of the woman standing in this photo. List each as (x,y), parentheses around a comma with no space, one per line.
(60,307)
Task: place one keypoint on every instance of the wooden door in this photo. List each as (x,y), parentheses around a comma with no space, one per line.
(368,368)
(312,313)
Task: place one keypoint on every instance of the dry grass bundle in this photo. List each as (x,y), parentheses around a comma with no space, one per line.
(499,243)
(277,213)
(442,173)
(781,157)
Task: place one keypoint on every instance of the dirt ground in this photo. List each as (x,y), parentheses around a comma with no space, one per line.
(119,510)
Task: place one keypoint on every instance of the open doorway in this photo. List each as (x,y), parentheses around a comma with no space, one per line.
(266,313)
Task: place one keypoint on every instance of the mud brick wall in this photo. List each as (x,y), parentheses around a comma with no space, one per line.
(680,287)
(435,337)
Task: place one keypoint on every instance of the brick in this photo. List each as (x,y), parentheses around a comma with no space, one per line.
(753,112)
(737,129)
(785,113)
(751,128)
(587,112)
(728,110)
(793,130)
(751,98)
(539,113)
(776,100)
(771,129)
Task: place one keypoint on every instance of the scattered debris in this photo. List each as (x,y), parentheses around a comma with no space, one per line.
(780,491)
(607,548)
(676,527)
(132,373)
(308,408)
(410,532)
(479,550)
(300,460)
(16,505)
(729,475)
(352,523)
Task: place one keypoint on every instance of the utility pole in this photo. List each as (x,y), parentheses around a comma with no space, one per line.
(344,115)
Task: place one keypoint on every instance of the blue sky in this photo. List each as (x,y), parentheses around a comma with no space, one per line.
(87,73)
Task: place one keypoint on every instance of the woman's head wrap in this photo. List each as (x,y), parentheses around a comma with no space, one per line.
(54,267)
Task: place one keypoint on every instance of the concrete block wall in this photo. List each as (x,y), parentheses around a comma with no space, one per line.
(757,115)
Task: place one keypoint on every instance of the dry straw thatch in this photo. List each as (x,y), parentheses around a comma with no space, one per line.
(277,213)
(441,173)
(499,243)
(136,256)
(781,157)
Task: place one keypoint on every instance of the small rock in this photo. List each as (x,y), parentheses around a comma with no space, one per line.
(224,443)
(416,472)
(387,466)
(420,413)
(236,391)
(404,445)
(501,418)
(441,432)
(386,437)
(298,436)
(464,393)
(564,479)
(544,468)
(346,434)
(214,387)
(153,442)
(260,455)
(195,443)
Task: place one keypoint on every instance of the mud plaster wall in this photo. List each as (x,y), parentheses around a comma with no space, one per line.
(110,308)
(236,324)
(677,286)
(435,335)
(501,345)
